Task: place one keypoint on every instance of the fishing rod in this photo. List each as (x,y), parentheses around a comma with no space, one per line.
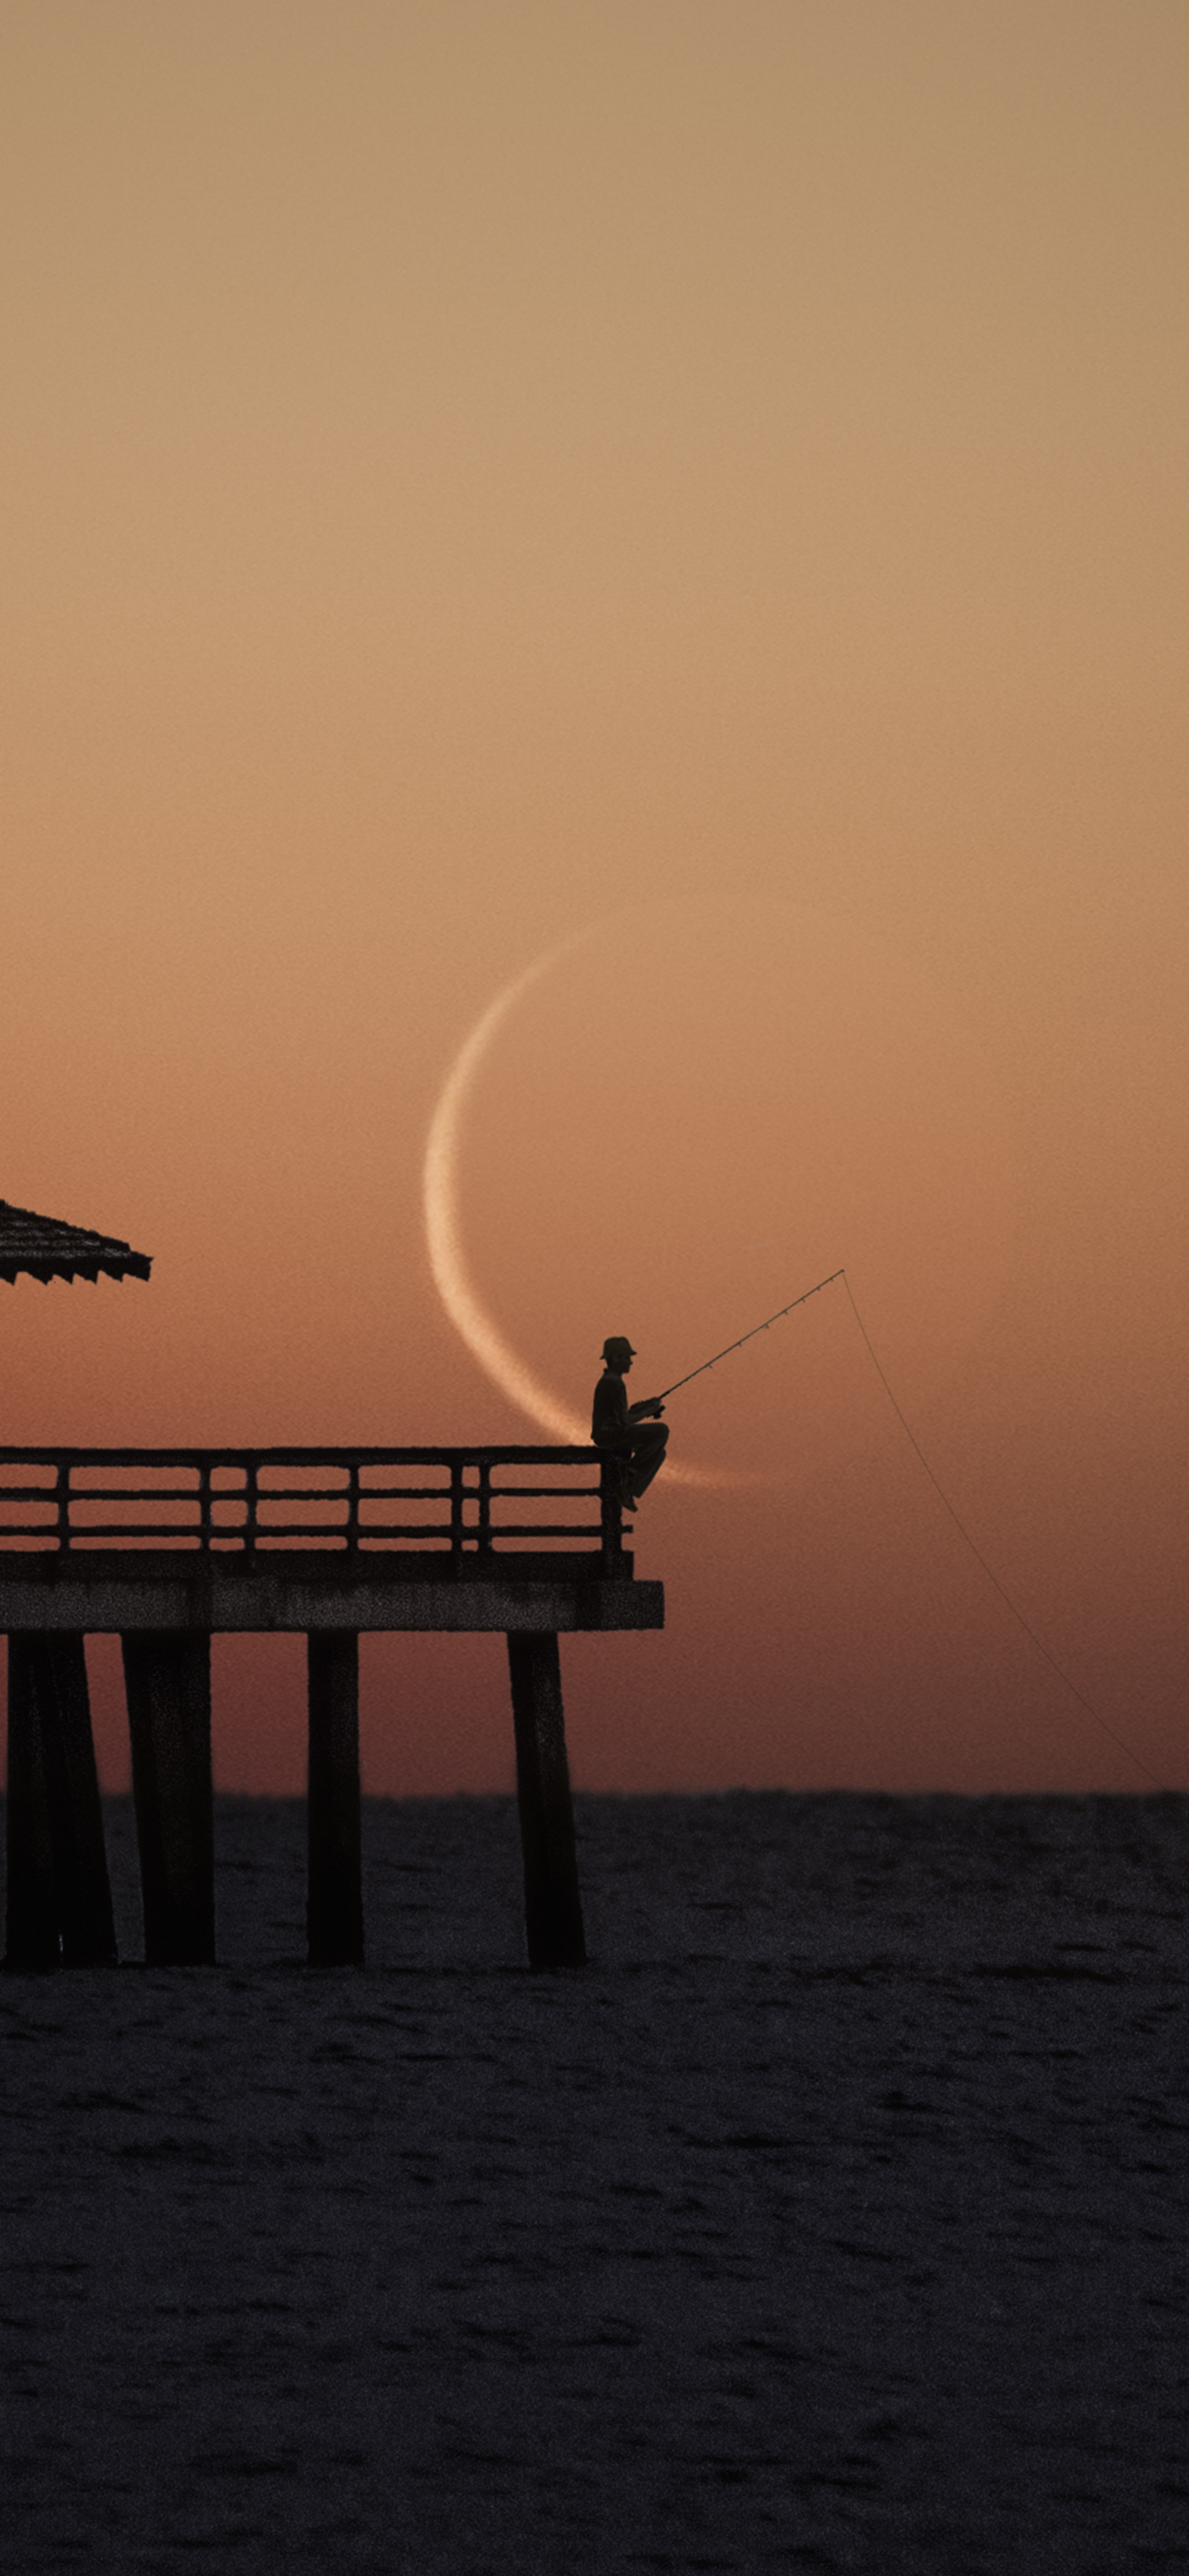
(750,1337)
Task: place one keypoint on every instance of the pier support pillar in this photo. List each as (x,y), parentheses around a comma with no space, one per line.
(335,1886)
(33,1936)
(552,1904)
(59,1894)
(167,1676)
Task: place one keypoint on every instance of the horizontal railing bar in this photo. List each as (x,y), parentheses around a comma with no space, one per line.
(540,1529)
(80,1494)
(403,1493)
(511,1455)
(163,1541)
(190,1523)
(301,1529)
(160,1531)
(338,1529)
(318,1541)
(405,1529)
(417,1529)
(298,1494)
(192,1529)
(534,1493)
(143,1494)
(287,1494)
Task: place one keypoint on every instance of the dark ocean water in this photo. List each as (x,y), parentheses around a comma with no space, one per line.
(837,2217)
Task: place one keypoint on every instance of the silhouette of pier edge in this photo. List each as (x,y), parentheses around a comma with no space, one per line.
(168,1547)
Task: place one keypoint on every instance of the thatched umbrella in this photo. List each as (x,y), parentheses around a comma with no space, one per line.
(46,1249)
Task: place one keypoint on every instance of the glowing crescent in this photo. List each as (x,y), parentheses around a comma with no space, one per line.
(443,1230)
(443,1235)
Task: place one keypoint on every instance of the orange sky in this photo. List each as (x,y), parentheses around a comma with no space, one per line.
(713,478)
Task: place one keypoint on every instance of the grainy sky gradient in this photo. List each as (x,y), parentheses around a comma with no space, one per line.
(709,475)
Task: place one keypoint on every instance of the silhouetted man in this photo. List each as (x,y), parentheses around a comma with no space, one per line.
(634,1431)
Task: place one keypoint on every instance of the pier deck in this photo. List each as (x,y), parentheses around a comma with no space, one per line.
(167,1547)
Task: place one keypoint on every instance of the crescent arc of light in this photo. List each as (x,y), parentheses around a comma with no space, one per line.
(443,1232)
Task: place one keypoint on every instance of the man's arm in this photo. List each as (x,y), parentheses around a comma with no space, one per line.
(653,1405)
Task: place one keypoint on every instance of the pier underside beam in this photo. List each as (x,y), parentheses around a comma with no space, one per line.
(279,1594)
(59,1894)
(335,1890)
(167,1675)
(552,1903)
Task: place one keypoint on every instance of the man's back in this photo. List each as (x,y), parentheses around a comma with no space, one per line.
(609,1419)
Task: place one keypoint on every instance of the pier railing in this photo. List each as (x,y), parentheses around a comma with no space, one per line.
(470,1505)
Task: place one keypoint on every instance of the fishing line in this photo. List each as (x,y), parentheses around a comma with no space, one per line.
(939,1489)
(977,1553)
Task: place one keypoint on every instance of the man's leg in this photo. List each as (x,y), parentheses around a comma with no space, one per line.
(649,1441)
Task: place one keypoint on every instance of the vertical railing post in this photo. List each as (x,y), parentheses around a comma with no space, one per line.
(251,1499)
(457,1524)
(63,1494)
(484,1506)
(205,1517)
(611,1515)
(353,1505)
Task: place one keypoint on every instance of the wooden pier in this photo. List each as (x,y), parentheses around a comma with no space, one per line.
(168,1547)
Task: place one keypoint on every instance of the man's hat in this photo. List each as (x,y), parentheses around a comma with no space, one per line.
(618,1346)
